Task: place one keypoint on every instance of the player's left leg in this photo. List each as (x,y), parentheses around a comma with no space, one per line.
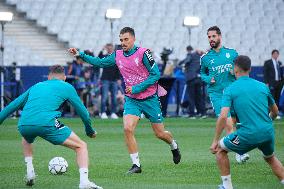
(80,147)
(28,154)
(29,133)
(224,167)
(152,110)
(166,136)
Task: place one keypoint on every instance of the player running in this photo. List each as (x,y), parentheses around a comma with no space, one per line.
(217,71)
(252,102)
(140,73)
(41,104)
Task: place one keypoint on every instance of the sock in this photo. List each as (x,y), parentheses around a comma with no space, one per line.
(29,163)
(227,182)
(173,145)
(135,159)
(282,181)
(84,175)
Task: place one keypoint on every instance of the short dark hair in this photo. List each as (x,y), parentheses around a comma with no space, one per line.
(243,62)
(56,69)
(274,51)
(189,48)
(127,30)
(214,28)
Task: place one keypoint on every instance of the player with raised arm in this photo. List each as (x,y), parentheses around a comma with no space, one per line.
(217,72)
(140,73)
(41,104)
(252,102)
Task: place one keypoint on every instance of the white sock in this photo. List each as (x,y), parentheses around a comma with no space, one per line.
(135,159)
(227,182)
(29,163)
(173,145)
(282,181)
(84,175)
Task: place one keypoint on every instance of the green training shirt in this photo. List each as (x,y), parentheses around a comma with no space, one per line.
(251,100)
(220,66)
(41,104)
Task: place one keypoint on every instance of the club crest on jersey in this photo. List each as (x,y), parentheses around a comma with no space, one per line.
(228,55)
(136,61)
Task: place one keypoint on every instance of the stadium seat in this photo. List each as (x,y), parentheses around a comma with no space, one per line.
(162,19)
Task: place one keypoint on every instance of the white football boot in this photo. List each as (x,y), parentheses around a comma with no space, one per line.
(89,185)
(242,158)
(30,178)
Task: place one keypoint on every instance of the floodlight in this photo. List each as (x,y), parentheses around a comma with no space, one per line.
(6,16)
(113,13)
(191,21)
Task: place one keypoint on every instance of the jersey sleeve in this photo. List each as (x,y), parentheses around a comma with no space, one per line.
(81,110)
(154,73)
(98,62)
(235,54)
(14,105)
(204,71)
(227,98)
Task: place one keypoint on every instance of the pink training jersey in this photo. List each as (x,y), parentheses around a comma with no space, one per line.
(134,72)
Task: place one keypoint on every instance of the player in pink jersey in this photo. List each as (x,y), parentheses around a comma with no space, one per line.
(141,74)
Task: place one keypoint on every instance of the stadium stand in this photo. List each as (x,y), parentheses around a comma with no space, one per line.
(252,27)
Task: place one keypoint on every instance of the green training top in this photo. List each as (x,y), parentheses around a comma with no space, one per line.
(41,104)
(251,100)
(154,73)
(218,65)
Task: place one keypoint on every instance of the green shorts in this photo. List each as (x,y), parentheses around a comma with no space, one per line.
(150,107)
(216,102)
(56,134)
(234,143)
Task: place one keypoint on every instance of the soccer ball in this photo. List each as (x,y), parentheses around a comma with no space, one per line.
(57,166)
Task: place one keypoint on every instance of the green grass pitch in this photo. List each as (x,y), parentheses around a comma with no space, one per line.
(109,159)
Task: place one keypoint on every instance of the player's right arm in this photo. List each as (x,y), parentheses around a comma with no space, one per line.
(81,110)
(204,72)
(95,61)
(14,106)
(272,105)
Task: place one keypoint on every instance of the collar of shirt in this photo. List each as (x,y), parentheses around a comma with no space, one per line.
(213,51)
(131,51)
(274,61)
(243,77)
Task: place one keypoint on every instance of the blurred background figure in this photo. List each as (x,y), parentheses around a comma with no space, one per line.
(109,80)
(194,83)
(90,92)
(273,75)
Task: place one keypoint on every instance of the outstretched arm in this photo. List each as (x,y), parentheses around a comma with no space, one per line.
(108,61)
(81,110)
(14,105)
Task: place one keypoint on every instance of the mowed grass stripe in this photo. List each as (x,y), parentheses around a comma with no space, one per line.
(109,159)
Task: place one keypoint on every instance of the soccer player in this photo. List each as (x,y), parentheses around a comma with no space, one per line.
(41,104)
(252,102)
(217,72)
(140,74)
